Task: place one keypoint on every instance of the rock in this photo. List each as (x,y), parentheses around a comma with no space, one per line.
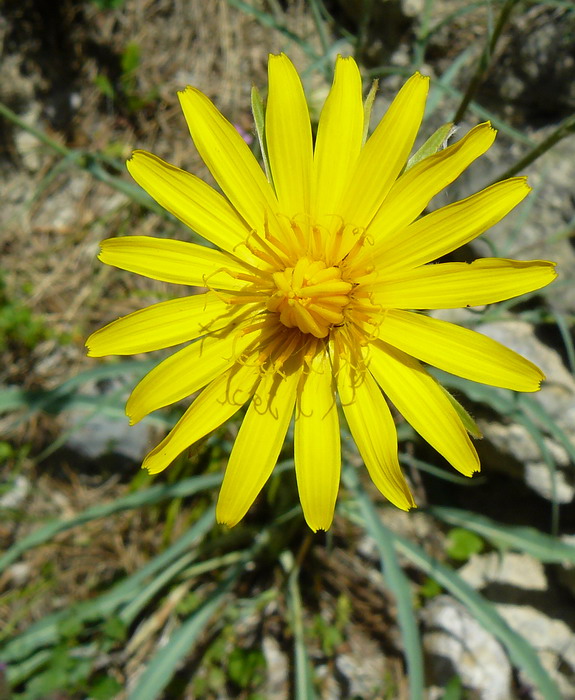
(363,667)
(523,596)
(556,398)
(106,431)
(552,638)
(457,645)
(509,568)
(100,435)
(16,494)
(277,669)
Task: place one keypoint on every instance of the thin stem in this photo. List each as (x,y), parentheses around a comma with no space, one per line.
(318,21)
(40,135)
(423,34)
(91,162)
(566,128)
(485,60)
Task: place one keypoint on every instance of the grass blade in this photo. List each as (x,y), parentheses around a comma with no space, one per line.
(46,631)
(546,548)
(138,499)
(397,583)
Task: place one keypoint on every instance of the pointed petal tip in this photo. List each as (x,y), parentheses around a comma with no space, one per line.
(226,519)
(133,417)
(148,465)
(318,525)
(420,77)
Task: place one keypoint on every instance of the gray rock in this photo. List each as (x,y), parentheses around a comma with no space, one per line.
(16,495)
(556,398)
(456,644)
(510,568)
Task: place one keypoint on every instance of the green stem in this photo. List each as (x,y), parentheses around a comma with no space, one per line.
(566,128)
(91,162)
(40,135)
(485,60)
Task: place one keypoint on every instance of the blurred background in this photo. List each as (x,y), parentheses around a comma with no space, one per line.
(115,584)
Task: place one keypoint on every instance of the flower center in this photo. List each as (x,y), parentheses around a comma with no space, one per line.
(310,296)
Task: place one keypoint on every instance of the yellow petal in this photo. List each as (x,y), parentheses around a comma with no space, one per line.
(373,430)
(448,228)
(414,190)
(162,325)
(460,351)
(423,404)
(173,261)
(192,201)
(385,154)
(217,402)
(257,445)
(455,285)
(288,136)
(230,161)
(338,141)
(185,372)
(317,446)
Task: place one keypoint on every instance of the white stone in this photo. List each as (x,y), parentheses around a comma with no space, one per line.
(509,568)
(456,644)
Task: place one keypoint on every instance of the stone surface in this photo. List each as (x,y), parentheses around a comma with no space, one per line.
(456,644)
(509,568)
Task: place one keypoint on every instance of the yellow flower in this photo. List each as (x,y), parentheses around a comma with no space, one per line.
(315,291)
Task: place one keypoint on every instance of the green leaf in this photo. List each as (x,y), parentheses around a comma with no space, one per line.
(367,107)
(304,687)
(130,57)
(258,111)
(544,547)
(138,499)
(398,584)
(102,82)
(453,689)
(245,667)
(162,666)
(436,142)
(47,630)
(430,588)
(105,688)
(462,543)
(469,424)
(115,629)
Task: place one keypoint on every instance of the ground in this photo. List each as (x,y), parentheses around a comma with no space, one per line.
(84,83)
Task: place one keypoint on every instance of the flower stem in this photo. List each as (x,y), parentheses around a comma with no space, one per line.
(485,60)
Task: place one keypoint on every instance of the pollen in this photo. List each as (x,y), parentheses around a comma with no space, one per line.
(310,296)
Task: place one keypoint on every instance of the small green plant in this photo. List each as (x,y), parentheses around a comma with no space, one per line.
(125,91)
(108,4)
(246,667)
(19,326)
(331,634)
(462,543)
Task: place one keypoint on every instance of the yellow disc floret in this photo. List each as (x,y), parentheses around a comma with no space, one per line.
(310,296)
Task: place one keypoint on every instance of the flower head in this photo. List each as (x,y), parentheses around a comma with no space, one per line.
(316,290)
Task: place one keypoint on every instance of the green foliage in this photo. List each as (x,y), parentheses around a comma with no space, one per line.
(429,588)
(19,326)
(461,544)
(125,91)
(331,634)
(453,689)
(246,667)
(108,4)
(70,666)
(61,653)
